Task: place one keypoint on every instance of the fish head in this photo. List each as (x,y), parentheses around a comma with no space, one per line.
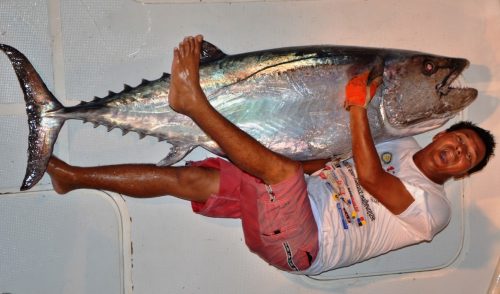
(422,90)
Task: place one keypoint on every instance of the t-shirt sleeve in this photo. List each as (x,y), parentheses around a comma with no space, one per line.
(427,215)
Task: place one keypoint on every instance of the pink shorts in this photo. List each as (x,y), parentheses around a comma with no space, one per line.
(277,220)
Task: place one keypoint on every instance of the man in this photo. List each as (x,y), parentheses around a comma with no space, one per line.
(345,213)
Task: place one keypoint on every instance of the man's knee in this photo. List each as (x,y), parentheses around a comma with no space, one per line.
(198,179)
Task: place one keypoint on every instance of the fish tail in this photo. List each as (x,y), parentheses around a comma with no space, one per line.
(41,105)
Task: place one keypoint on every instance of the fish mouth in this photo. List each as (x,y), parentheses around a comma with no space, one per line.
(457,66)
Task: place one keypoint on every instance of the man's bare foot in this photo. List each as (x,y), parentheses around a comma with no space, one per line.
(185,94)
(61,175)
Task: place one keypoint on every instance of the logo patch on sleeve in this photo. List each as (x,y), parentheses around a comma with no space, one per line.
(386,157)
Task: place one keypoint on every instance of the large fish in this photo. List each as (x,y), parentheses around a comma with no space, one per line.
(289,99)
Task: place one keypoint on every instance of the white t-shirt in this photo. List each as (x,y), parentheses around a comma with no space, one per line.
(353,226)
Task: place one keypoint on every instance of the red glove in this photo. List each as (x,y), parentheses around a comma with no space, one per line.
(356,91)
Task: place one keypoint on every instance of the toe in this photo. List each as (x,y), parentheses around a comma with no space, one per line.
(197,44)
(191,44)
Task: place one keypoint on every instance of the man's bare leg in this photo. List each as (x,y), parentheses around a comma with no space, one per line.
(136,180)
(187,97)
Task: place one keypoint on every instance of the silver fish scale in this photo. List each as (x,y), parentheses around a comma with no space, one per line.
(294,111)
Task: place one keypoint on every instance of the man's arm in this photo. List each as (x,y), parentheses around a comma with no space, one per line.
(386,188)
(187,97)
(311,166)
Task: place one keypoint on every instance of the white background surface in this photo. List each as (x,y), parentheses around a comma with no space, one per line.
(85,48)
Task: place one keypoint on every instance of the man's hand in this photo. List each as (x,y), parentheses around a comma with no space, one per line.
(358,92)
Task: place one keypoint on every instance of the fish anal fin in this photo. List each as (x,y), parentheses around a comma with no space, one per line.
(175,154)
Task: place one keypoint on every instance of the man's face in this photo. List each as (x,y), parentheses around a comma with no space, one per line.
(455,153)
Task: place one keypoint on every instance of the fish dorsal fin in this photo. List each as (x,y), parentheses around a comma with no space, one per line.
(210,52)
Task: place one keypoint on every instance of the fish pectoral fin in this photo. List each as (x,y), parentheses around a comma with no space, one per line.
(175,154)
(373,64)
(210,52)
(377,70)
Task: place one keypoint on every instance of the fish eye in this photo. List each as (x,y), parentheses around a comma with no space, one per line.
(429,67)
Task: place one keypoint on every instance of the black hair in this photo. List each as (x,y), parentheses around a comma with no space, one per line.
(485,136)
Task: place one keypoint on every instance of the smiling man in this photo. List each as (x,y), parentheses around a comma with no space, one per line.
(457,152)
(387,197)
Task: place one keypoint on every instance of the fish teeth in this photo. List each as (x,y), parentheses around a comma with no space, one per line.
(459,83)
